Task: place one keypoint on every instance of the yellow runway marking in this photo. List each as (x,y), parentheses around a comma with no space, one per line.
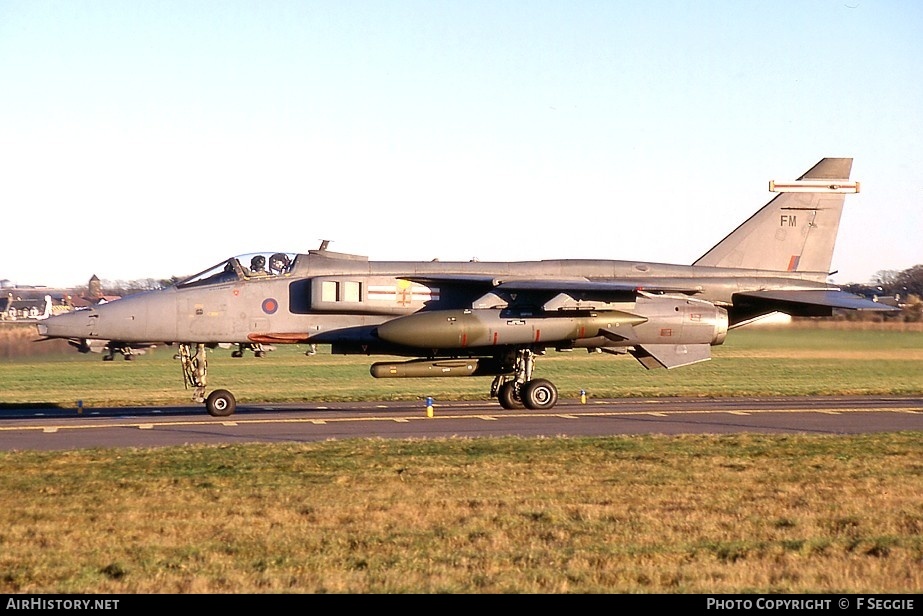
(421,417)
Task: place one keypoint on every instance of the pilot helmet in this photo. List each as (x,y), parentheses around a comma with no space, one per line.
(278,262)
(257,262)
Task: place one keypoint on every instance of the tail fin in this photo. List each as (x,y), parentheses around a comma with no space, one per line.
(794,232)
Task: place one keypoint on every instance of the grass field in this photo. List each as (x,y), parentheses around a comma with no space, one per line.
(642,514)
(690,514)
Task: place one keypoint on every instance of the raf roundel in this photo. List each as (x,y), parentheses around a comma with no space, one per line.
(270,305)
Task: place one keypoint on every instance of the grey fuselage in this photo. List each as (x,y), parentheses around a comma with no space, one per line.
(328,297)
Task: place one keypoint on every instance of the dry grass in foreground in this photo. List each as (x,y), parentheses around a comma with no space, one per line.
(692,514)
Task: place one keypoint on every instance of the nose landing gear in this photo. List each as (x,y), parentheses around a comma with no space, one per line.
(219,403)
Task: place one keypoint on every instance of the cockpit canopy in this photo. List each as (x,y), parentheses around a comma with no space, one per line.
(244,267)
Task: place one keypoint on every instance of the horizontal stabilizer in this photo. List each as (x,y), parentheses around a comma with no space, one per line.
(829,298)
(670,355)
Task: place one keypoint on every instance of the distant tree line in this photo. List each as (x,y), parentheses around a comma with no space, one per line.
(905,283)
(905,288)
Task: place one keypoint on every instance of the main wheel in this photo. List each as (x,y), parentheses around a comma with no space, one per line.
(220,403)
(509,397)
(539,394)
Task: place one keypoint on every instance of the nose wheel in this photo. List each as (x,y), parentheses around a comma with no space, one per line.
(219,403)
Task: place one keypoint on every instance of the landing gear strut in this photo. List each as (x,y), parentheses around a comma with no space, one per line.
(520,390)
(221,402)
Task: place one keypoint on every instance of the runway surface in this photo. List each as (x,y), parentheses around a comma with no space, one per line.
(62,429)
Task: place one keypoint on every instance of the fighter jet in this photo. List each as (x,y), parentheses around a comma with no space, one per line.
(493,319)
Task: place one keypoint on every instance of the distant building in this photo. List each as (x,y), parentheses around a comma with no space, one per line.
(28,309)
(95,288)
(29,303)
(94,295)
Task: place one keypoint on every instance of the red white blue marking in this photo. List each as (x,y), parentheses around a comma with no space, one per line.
(270,305)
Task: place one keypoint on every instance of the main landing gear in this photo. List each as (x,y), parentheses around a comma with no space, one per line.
(115,347)
(219,403)
(515,389)
(520,390)
(257,349)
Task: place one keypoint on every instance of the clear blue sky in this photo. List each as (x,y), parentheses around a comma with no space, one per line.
(150,139)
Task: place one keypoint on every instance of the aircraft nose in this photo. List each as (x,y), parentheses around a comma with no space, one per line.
(144,317)
(71,325)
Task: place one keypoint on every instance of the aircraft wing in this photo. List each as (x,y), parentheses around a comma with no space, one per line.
(479,281)
(808,302)
(591,286)
(553,285)
(550,293)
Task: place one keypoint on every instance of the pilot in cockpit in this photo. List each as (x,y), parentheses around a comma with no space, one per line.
(258,266)
(279,263)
